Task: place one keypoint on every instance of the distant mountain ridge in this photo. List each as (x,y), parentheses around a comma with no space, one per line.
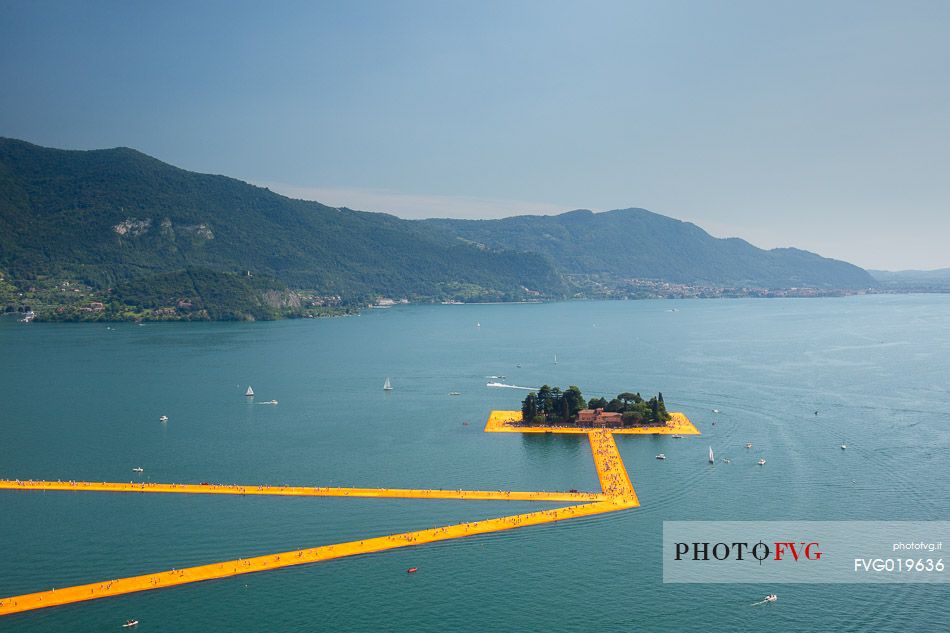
(914,280)
(158,236)
(635,242)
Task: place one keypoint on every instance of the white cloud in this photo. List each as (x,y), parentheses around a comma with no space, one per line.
(408,205)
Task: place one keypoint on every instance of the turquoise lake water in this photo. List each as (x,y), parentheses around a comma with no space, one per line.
(83,402)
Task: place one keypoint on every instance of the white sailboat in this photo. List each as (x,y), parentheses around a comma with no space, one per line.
(712,458)
(250,392)
(387,386)
(555,359)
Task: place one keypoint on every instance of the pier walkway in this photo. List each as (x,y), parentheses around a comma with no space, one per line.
(617,493)
(298,491)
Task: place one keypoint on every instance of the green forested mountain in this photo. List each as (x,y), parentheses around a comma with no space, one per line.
(124,229)
(117,218)
(631,243)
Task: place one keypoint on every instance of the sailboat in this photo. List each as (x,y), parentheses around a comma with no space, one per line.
(249,392)
(387,386)
(712,459)
(555,359)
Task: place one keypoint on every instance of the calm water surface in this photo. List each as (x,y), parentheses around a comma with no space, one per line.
(83,402)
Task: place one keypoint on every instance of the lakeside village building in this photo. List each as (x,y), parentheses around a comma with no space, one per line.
(599,417)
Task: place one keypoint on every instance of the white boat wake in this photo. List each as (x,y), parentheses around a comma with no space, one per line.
(504,386)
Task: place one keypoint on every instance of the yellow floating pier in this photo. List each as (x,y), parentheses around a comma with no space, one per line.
(510,422)
(617,493)
(297,491)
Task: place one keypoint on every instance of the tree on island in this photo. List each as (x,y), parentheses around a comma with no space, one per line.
(551,406)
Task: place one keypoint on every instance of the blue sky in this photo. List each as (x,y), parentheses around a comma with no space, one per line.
(821,125)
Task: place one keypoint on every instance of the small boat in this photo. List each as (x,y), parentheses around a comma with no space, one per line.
(164,418)
(715,410)
(712,458)
(771,597)
(844,446)
(761,462)
(455,393)
(726,460)
(250,392)
(661,456)
(129,623)
(270,402)
(677,437)
(387,386)
(412,570)
(748,444)
(138,469)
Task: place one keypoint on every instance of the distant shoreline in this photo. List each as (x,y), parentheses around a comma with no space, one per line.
(353,311)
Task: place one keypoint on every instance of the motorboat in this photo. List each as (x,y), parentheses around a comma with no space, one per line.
(138,469)
(844,446)
(771,597)
(748,444)
(164,418)
(455,393)
(761,462)
(677,437)
(412,570)
(129,623)
(661,456)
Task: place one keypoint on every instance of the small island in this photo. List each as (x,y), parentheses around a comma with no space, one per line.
(552,407)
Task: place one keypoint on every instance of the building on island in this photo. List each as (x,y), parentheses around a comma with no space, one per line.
(599,417)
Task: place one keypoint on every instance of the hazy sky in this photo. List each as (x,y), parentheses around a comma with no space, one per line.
(821,125)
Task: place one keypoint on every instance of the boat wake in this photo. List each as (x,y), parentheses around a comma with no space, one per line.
(502,385)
